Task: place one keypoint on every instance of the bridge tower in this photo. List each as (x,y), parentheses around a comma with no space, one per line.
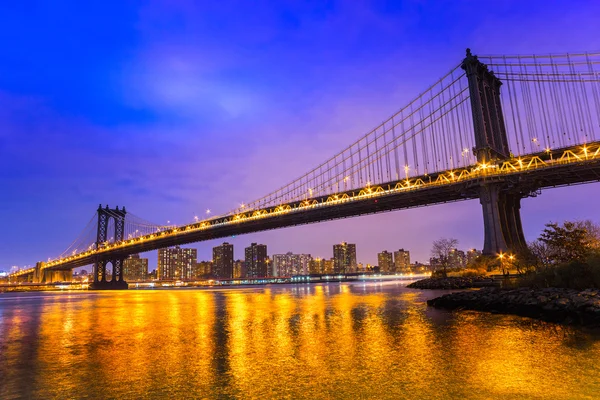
(100,279)
(501,201)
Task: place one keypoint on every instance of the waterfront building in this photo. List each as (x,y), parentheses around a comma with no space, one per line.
(435,263)
(402,261)
(135,268)
(328,266)
(419,268)
(316,266)
(472,255)
(457,259)
(176,263)
(290,264)
(344,257)
(223,261)
(256,261)
(239,269)
(203,270)
(385,261)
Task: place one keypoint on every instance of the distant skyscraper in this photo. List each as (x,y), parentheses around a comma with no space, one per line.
(135,268)
(344,257)
(291,264)
(256,261)
(176,263)
(385,261)
(223,261)
(402,260)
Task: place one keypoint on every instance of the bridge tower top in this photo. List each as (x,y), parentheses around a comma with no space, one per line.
(491,142)
(104,216)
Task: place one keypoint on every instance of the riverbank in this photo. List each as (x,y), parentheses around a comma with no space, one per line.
(453,283)
(567,306)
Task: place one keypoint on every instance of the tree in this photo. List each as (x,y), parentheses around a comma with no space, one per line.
(566,243)
(441,251)
(592,231)
(525,260)
(541,254)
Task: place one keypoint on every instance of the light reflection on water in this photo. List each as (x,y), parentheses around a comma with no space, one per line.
(306,341)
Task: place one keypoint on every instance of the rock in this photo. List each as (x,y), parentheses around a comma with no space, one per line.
(566,306)
(453,283)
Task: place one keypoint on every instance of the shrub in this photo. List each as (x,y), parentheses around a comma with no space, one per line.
(472,272)
(574,275)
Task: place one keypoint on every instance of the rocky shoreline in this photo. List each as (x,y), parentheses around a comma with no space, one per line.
(453,283)
(567,306)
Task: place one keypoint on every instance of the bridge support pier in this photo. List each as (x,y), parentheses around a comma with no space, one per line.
(100,279)
(41,275)
(501,219)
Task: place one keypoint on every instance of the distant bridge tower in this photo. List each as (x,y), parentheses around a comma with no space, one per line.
(100,279)
(501,202)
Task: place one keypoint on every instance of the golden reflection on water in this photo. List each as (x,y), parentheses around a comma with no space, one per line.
(306,341)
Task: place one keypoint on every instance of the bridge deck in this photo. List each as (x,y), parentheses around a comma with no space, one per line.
(568,166)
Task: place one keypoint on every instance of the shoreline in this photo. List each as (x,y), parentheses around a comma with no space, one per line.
(565,306)
(452,283)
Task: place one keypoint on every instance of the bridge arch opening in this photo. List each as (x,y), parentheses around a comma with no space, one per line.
(109,271)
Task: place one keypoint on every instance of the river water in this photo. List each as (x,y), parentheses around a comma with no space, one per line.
(338,340)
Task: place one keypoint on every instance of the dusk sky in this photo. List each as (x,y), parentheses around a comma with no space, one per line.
(173,107)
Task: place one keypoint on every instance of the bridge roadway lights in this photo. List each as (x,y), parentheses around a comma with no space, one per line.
(503,231)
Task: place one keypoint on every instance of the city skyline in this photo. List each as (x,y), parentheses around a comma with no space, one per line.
(57,175)
(404,253)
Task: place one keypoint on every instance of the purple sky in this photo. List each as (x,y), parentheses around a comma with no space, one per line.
(173,107)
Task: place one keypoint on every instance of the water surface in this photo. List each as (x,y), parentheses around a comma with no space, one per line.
(355,341)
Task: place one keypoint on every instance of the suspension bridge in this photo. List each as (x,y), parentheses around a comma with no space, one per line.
(494,128)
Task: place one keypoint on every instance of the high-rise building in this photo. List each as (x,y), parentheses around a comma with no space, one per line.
(223,261)
(290,264)
(202,269)
(239,269)
(135,268)
(256,261)
(457,259)
(320,266)
(472,255)
(328,266)
(316,266)
(402,260)
(385,261)
(344,258)
(176,263)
